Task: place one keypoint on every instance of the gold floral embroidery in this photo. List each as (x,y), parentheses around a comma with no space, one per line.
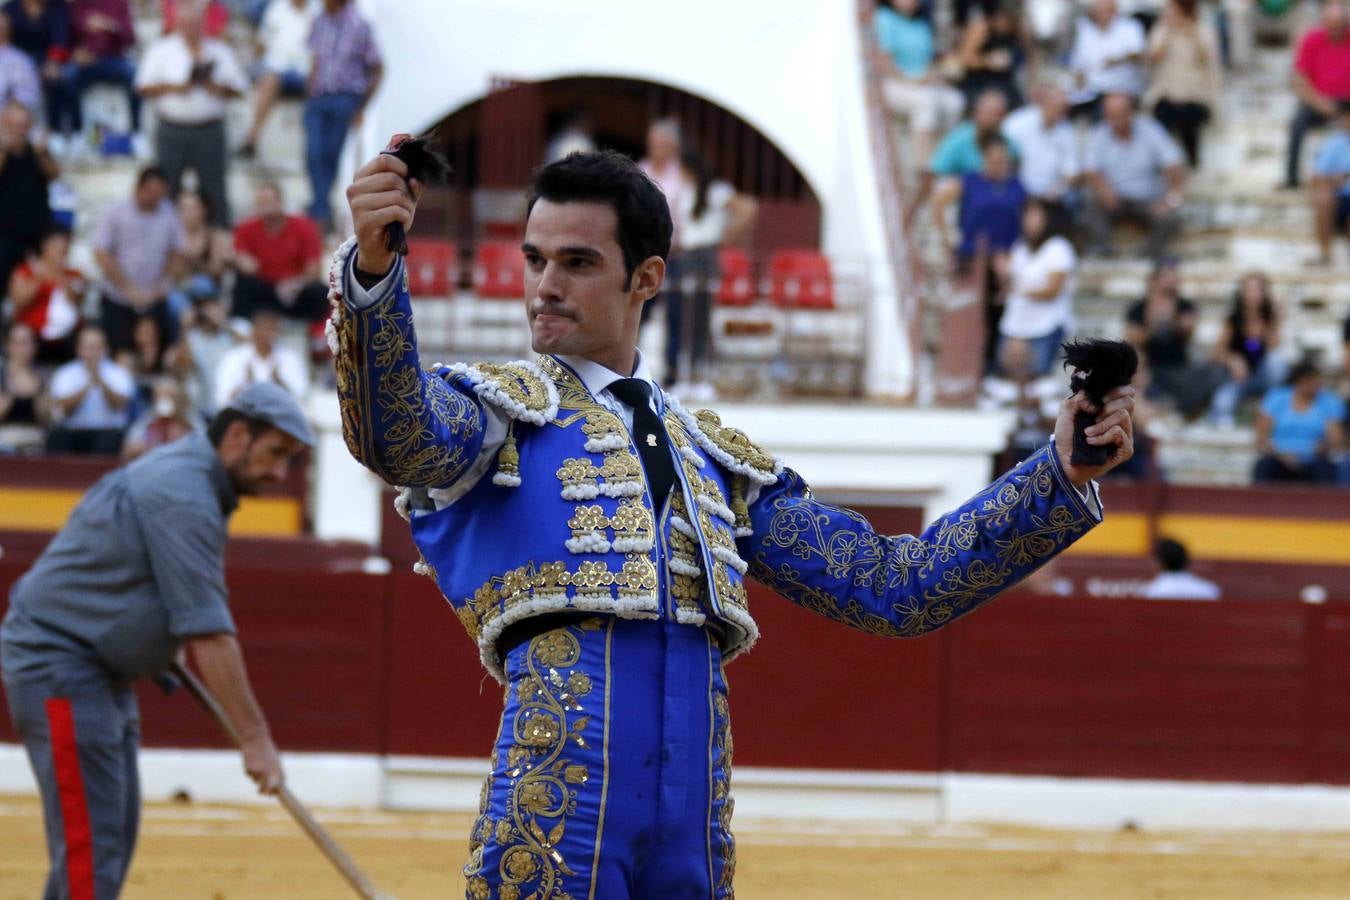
(550,718)
(1004,517)
(578,477)
(572,394)
(621,467)
(721,766)
(409,412)
(518,383)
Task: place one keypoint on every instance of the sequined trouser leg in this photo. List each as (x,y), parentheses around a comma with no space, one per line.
(611,772)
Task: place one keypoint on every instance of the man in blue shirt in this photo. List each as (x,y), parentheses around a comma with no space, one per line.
(913,89)
(1331,186)
(136,575)
(959,154)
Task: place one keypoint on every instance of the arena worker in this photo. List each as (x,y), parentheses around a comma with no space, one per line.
(594,537)
(136,574)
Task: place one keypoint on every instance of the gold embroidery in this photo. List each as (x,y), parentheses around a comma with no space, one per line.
(733,442)
(633,525)
(592,579)
(550,718)
(405,410)
(855,556)
(572,394)
(518,383)
(621,467)
(722,788)
(578,477)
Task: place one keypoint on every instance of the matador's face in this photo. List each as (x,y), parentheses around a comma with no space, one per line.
(578,297)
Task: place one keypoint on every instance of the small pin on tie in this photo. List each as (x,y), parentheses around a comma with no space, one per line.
(651,440)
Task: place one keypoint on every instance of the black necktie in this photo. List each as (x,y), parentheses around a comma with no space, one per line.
(650,434)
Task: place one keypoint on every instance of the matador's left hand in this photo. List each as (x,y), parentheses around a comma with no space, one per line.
(1115,426)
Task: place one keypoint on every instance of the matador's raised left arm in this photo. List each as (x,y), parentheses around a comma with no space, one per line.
(831,561)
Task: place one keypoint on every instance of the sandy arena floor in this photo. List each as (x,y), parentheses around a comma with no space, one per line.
(233,853)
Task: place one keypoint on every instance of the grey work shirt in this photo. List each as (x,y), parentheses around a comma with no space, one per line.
(138,567)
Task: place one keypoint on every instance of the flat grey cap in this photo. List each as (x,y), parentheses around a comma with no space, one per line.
(273,404)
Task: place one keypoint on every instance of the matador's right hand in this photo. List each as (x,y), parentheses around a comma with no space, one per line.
(381,193)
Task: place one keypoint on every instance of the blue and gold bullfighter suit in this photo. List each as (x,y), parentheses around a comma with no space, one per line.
(609,620)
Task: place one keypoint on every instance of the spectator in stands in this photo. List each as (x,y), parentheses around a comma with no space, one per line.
(215,16)
(279,260)
(91,396)
(1038,311)
(991,200)
(207,341)
(25,171)
(283,39)
(1331,186)
(22,400)
(207,252)
(102,37)
(139,247)
(149,356)
(1134,171)
(1186,82)
(1051,166)
(993,52)
(665,149)
(168,418)
(189,80)
(46,295)
(913,88)
(1107,57)
(1321,78)
(1162,327)
(40,28)
(347,72)
(1298,430)
(713,215)
(261,359)
(1174,580)
(577,135)
(1248,348)
(959,154)
(19,80)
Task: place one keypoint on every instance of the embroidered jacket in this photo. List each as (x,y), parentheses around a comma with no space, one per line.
(565,522)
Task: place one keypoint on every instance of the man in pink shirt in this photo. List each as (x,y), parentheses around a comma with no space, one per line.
(1321,78)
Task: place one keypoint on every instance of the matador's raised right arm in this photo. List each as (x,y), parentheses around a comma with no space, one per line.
(409,426)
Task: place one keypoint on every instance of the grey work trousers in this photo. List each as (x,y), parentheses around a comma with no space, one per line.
(82,731)
(1162,229)
(202,148)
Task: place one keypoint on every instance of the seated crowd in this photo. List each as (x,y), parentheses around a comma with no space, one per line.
(1110,133)
(182,306)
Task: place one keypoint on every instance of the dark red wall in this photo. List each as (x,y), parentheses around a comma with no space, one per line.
(1236,690)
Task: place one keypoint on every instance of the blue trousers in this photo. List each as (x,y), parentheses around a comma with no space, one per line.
(611,771)
(327,120)
(77,79)
(82,732)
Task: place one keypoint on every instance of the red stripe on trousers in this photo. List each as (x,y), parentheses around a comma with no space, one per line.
(74,806)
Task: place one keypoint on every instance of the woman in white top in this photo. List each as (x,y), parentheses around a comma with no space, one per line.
(711,214)
(1038,313)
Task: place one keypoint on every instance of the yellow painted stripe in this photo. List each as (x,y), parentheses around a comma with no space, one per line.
(1120,534)
(46,509)
(1257,538)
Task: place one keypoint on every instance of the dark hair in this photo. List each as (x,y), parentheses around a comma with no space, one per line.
(703,179)
(1172,555)
(1301,371)
(611,178)
(994,139)
(1056,220)
(205,201)
(54,229)
(151,173)
(1237,316)
(227,417)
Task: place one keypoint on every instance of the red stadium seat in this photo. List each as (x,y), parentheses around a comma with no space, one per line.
(737,286)
(499,271)
(800,278)
(433,267)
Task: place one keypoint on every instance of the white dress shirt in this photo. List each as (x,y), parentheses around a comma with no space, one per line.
(170,61)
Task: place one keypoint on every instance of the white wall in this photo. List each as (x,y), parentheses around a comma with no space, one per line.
(791,68)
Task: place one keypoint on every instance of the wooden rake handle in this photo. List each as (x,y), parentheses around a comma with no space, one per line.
(303,817)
